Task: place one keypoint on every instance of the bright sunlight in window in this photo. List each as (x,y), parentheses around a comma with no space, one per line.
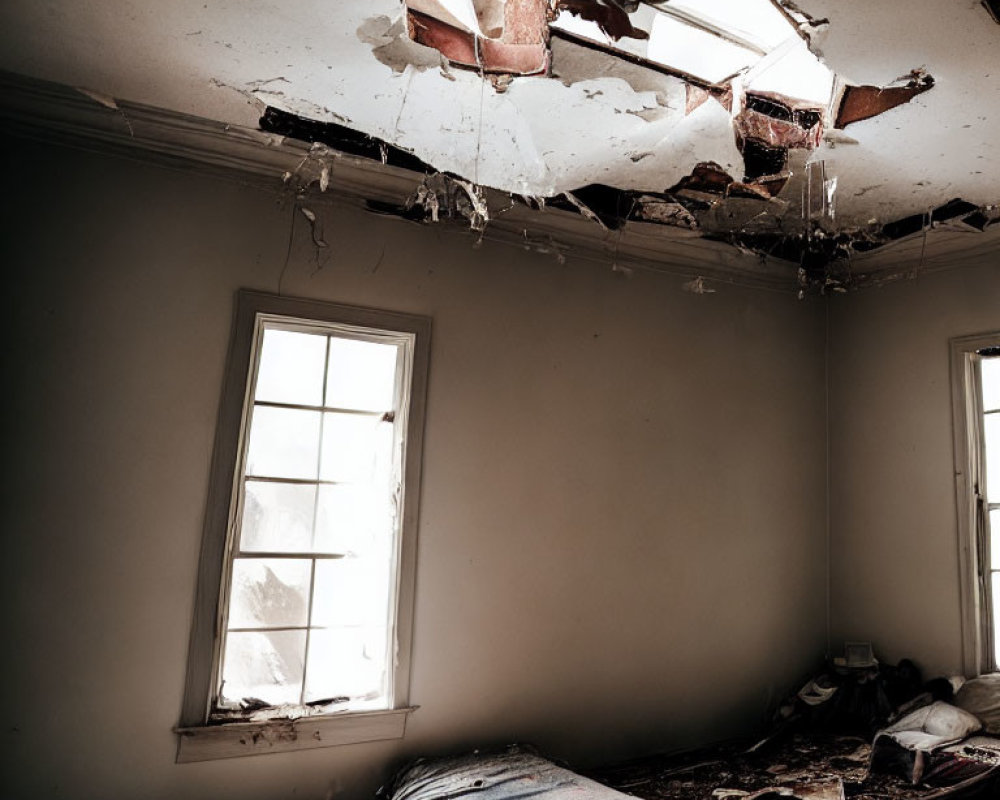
(990,374)
(308,616)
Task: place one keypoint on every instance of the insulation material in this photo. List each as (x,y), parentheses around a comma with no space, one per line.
(778,123)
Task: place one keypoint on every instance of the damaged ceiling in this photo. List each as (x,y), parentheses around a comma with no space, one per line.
(812,133)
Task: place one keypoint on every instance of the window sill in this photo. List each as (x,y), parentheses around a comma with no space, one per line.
(235,739)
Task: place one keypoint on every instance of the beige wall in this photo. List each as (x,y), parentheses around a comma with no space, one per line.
(894,545)
(622,543)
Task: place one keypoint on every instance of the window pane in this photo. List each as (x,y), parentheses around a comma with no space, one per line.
(284,443)
(277,517)
(346,662)
(269,592)
(996,617)
(995,541)
(992,429)
(353,518)
(291,368)
(351,592)
(265,665)
(991,383)
(355,448)
(362,375)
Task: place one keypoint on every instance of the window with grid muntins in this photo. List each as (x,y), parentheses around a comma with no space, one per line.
(308,611)
(989,385)
(303,617)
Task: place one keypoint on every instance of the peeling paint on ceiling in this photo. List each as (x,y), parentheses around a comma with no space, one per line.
(606,130)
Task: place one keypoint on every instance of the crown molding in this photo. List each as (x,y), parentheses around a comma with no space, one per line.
(65,116)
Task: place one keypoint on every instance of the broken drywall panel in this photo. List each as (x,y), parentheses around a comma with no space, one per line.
(677,145)
(629,127)
(513,42)
(537,153)
(393,46)
(483,136)
(864,102)
(572,63)
(592,138)
(993,9)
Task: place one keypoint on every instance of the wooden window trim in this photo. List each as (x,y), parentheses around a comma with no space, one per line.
(199,741)
(973,545)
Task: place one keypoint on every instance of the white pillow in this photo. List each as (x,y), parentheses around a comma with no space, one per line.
(981,696)
(941,720)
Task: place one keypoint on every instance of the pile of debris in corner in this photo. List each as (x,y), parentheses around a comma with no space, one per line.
(862,730)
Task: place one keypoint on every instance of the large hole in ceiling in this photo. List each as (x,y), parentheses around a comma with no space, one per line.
(712,115)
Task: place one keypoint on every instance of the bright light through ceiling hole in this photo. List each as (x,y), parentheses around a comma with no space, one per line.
(716,41)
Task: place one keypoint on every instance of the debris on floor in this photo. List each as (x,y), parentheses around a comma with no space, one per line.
(857,730)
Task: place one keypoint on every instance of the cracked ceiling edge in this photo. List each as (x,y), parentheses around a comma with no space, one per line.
(748,212)
(819,260)
(60,115)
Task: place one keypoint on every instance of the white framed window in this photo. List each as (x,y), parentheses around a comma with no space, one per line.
(304,610)
(975,364)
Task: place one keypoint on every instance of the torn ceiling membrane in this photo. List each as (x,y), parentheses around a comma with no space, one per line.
(713,115)
(808,131)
